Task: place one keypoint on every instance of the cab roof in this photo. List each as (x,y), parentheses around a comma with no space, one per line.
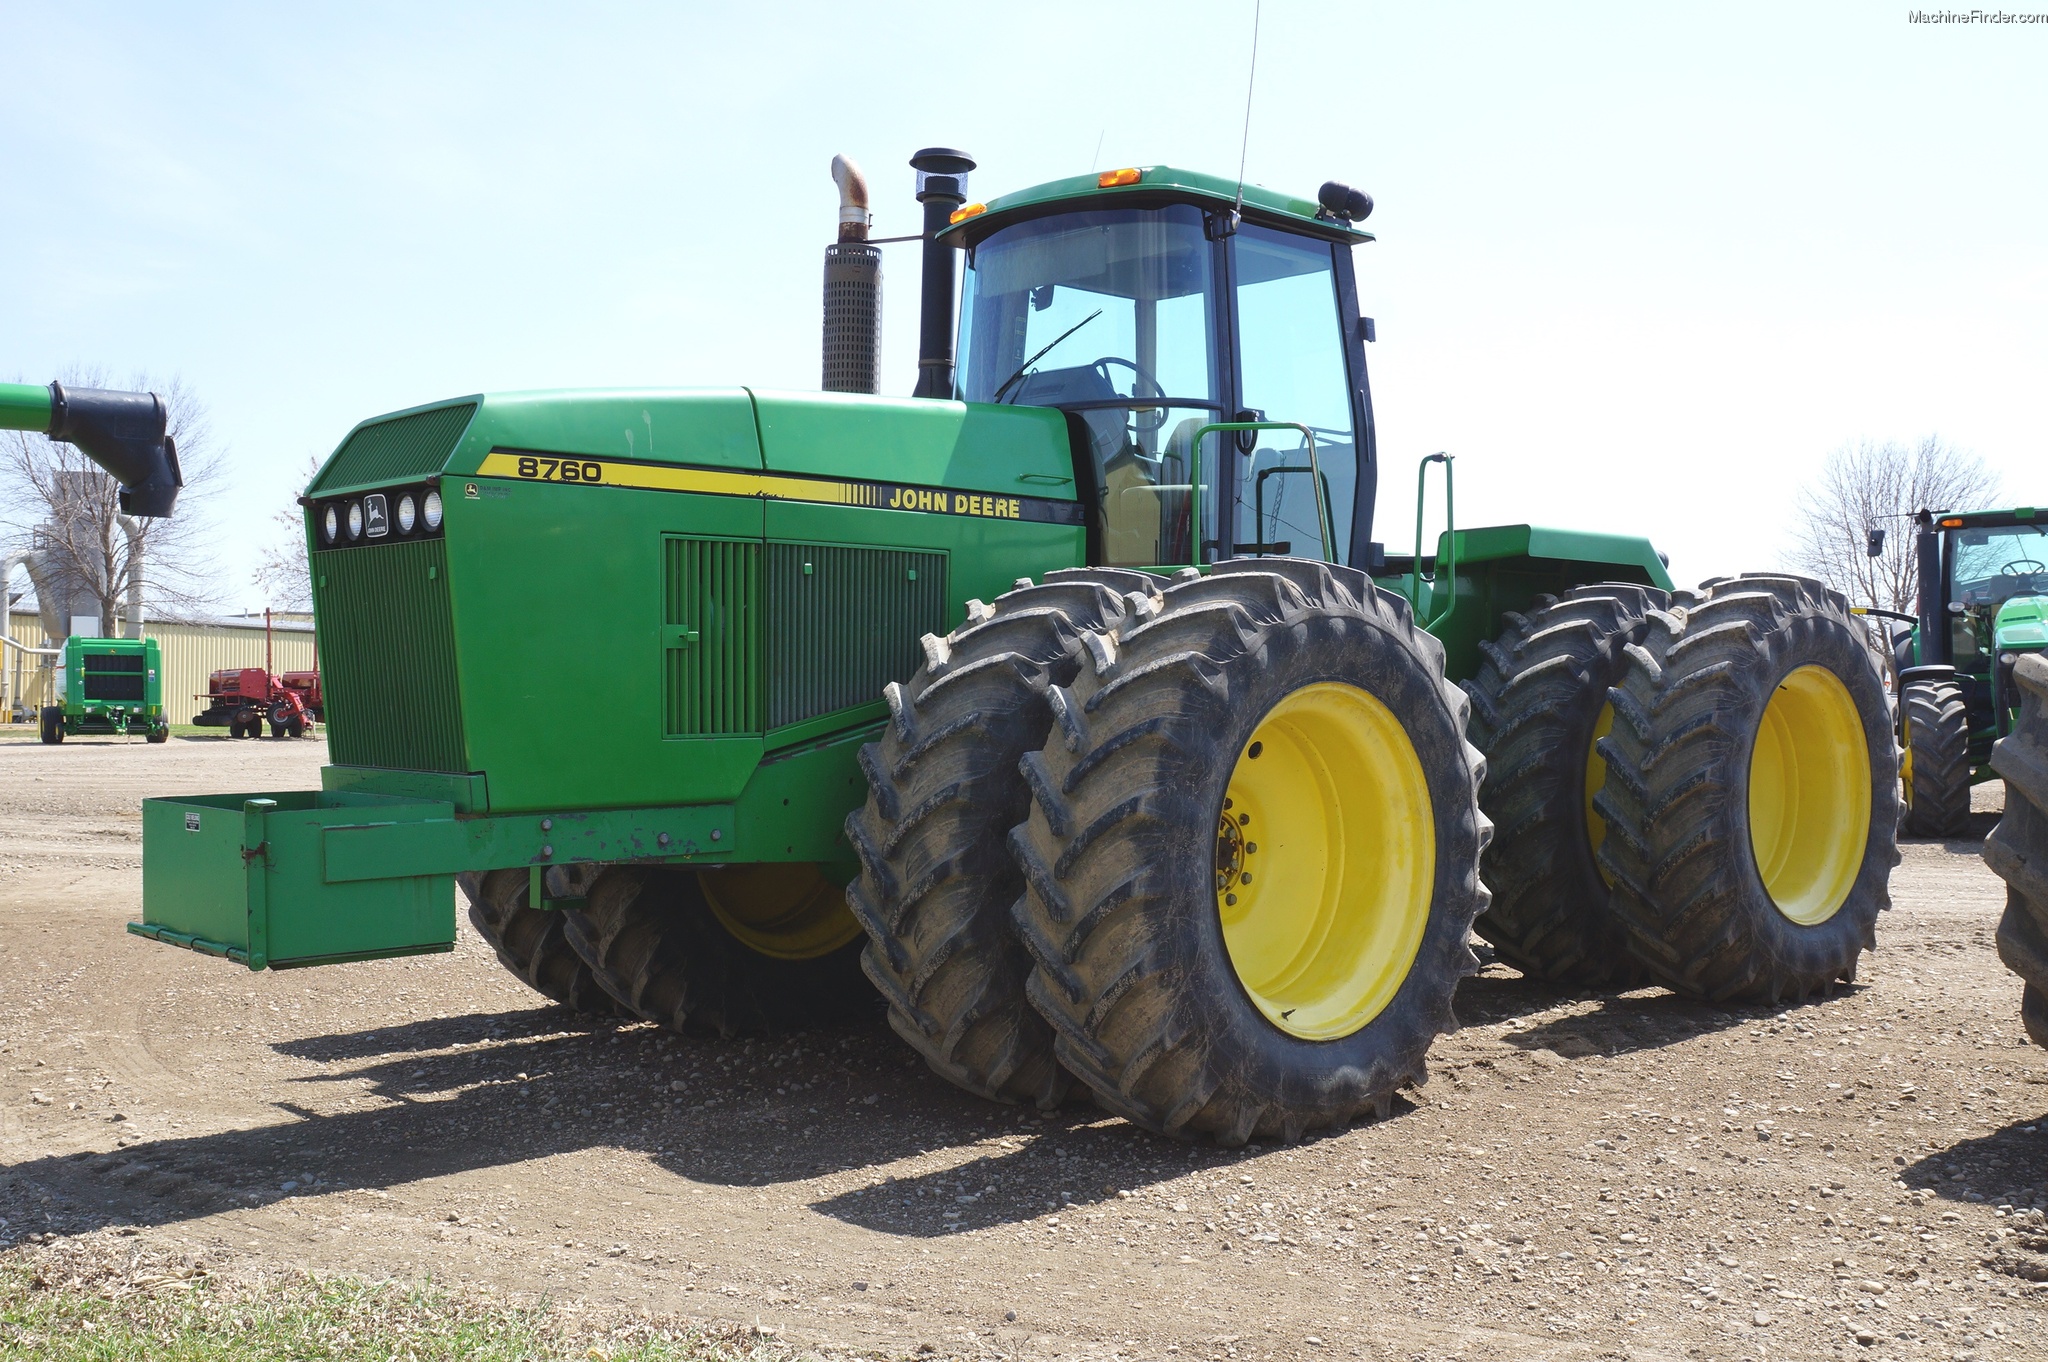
(1154,185)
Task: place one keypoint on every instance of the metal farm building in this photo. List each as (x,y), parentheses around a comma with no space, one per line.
(191,651)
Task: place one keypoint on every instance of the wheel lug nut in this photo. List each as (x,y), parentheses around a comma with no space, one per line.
(1246,878)
(1250,847)
(1230,899)
(1244,820)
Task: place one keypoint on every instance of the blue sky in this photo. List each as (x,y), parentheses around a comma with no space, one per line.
(1639,267)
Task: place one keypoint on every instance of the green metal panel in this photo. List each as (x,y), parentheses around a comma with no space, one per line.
(241,876)
(2021,624)
(1014,451)
(1505,567)
(711,637)
(398,449)
(387,656)
(984,557)
(465,794)
(844,622)
(711,427)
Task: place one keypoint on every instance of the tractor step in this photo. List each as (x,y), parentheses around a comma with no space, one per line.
(247,877)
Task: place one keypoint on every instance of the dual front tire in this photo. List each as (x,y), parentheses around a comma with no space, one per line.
(1242,868)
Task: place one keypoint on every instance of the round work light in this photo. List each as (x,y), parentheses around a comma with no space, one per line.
(433,510)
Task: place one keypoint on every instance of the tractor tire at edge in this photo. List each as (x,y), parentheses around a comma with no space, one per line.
(2017,850)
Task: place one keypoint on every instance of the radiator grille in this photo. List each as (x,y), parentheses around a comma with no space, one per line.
(113,676)
(845,622)
(403,450)
(387,657)
(711,682)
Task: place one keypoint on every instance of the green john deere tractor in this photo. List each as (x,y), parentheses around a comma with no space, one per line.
(108,686)
(1072,700)
(1983,604)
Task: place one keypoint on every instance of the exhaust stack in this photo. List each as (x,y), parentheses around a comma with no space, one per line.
(853,291)
(941,187)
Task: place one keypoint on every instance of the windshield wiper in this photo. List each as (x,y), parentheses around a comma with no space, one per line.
(1025,367)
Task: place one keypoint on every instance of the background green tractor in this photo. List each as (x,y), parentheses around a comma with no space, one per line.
(1983,604)
(1072,701)
(108,685)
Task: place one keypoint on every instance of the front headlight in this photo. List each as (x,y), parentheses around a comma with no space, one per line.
(330,525)
(433,510)
(355,520)
(407,514)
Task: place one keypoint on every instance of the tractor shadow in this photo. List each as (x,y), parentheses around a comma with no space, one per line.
(456,1095)
(2007,1167)
(1620,1022)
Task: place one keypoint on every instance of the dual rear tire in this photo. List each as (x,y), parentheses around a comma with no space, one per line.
(1699,791)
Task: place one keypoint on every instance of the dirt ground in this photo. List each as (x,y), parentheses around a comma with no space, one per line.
(1629,1176)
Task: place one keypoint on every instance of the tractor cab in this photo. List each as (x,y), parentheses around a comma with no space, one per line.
(1152,309)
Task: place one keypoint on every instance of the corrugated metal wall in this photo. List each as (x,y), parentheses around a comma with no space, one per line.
(191,652)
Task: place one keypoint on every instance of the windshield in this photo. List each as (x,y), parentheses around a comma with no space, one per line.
(1110,314)
(1085,307)
(1996,563)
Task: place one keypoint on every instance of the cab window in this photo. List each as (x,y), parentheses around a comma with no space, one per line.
(1109,314)
(1291,367)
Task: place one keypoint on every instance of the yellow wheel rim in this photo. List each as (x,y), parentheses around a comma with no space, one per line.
(1325,861)
(789,911)
(1809,796)
(1596,776)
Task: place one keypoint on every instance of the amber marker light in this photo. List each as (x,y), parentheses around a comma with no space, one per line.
(1110,179)
(966,211)
(1952,523)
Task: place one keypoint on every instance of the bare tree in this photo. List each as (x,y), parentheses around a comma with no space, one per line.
(66,508)
(284,574)
(1871,486)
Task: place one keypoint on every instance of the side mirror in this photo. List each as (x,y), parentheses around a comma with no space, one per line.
(1874,544)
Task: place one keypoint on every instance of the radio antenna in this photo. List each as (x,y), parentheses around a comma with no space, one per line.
(1250,80)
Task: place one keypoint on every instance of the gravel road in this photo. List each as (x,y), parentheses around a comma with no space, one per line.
(1620,1176)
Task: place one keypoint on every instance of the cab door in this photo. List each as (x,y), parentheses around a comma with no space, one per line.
(1297,358)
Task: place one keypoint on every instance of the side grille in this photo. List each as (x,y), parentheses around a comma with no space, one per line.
(408,448)
(844,623)
(113,676)
(711,636)
(387,657)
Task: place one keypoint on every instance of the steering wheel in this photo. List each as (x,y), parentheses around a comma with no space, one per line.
(1141,420)
(2032,566)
